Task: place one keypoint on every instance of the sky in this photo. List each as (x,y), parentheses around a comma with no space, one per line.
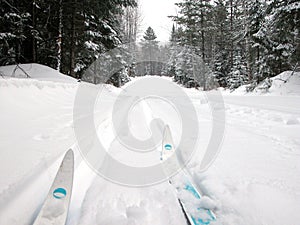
(155,14)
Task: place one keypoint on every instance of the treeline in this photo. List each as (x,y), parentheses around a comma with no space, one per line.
(228,42)
(67,35)
(241,41)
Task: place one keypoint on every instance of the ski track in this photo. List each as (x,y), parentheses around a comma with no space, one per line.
(129,205)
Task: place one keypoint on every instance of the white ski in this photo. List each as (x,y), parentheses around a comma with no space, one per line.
(187,193)
(55,208)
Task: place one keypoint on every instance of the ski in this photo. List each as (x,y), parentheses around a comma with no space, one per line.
(187,193)
(55,208)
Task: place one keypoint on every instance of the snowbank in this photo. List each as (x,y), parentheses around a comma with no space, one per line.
(284,84)
(35,71)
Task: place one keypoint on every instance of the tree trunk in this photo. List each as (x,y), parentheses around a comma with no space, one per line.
(231,31)
(34,55)
(72,46)
(202,36)
(249,58)
(59,40)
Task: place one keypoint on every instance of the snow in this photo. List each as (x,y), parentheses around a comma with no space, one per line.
(254,179)
(35,71)
(292,6)
(284,84)
(91,45)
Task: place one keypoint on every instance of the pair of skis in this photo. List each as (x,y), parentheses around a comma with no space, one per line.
(187,193)
(55,208)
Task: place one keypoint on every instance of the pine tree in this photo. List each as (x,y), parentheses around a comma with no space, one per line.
(255,16)
(221,56)
(150,52)
(47,20)
(196,19)
(242,40)
(278,39)
(285,34)
(102,30)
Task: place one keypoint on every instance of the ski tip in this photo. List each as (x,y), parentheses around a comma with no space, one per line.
(167,139)
(167,144)
(70,151)
(167,129)
(69,154)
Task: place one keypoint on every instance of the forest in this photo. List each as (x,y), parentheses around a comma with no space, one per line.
(225,42)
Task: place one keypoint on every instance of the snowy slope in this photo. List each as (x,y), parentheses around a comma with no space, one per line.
(254,180)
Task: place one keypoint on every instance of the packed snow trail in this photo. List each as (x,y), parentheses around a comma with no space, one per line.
(120,204)
(254,180)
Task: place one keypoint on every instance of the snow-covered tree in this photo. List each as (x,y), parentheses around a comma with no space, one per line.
(66,35)
(242,40)
(238,75)
(15,32)
(172,51)
(220,55)
(197,38)
(149,45)
(150,53)
(285,20)
(196,19)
